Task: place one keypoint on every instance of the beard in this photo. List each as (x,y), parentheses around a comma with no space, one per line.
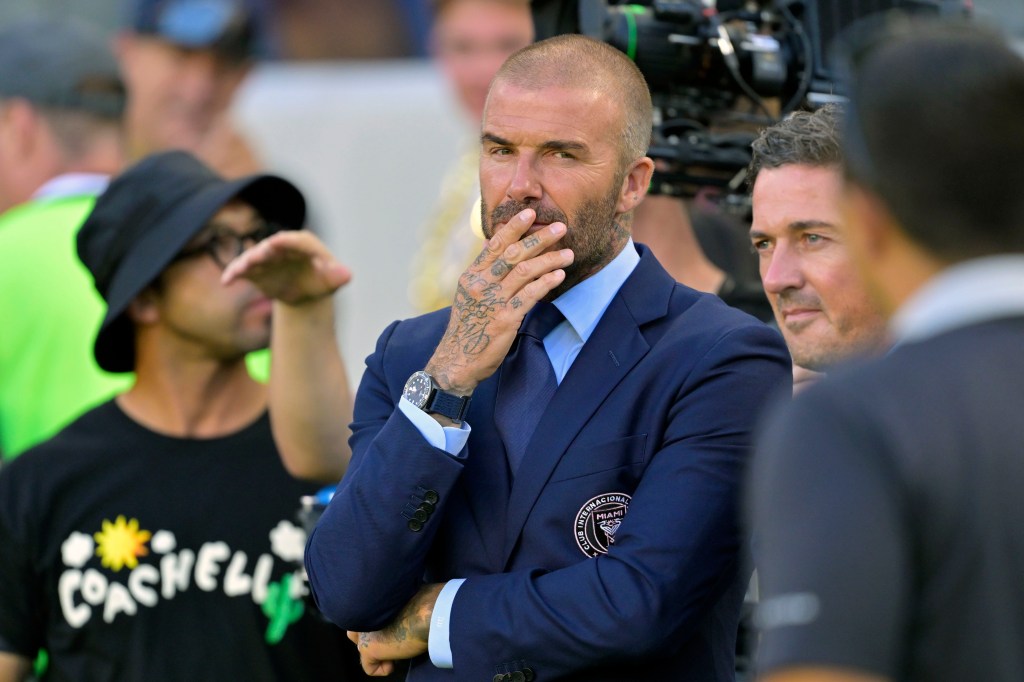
(592,233)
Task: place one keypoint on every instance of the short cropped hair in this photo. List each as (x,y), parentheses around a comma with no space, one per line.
(807,138)
(936,130)
(75,131)
(576,61)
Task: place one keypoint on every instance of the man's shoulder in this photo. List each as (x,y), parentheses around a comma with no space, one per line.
(90,432)
(652,295)
(60,211)
(694,316)
(66,462)
(966,354)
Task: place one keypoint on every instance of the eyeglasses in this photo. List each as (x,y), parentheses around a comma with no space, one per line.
(224,244)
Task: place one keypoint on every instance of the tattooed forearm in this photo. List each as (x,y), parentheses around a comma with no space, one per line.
(397,631)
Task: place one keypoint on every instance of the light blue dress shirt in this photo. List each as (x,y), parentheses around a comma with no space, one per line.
(582,306)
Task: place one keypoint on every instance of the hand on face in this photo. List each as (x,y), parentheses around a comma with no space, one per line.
(512,273)
(292,266)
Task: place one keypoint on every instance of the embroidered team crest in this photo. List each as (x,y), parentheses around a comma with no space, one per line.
(598,520)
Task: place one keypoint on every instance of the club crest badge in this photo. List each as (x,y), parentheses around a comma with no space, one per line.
(598,520)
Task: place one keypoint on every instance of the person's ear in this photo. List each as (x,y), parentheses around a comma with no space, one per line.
(144,308)
(19,128)
(635,185)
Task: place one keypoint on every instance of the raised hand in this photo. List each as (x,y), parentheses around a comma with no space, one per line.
(291,266)
(512,273)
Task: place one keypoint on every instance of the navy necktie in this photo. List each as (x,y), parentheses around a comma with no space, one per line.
(527,383)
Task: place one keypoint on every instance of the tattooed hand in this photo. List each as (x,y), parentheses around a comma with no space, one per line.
(494,294)
(405,638)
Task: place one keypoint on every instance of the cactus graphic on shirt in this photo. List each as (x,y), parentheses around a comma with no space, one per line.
(281,608)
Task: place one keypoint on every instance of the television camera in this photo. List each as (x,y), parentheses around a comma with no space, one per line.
(720,71)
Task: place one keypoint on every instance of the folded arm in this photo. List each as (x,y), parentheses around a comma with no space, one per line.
(675,554)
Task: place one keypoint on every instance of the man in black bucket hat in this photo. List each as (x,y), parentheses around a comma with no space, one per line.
(153,537)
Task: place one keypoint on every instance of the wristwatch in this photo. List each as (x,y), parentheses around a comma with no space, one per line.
(422,391)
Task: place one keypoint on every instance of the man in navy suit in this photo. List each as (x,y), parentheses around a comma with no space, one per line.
(599,542)
(886,499)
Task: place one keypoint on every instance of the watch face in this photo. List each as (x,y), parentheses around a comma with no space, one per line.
(417,389)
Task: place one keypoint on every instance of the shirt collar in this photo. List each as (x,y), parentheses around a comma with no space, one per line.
(73,184)
(585,303)
(975,291)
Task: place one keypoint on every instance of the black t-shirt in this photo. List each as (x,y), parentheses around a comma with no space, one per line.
(130,555)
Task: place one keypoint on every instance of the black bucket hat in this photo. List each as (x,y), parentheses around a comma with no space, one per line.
(144,219)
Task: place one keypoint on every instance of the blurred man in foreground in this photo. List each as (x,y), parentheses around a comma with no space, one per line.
(886,498)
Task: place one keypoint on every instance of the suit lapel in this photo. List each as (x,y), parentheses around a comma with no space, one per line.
(613,349)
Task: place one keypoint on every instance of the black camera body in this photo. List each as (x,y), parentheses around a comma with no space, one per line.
(719,71)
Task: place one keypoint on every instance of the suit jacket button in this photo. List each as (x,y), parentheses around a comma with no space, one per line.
(420,515)
(498,678)
(431,496)
(427,507)
(415,525)
(518,677)
(528,674)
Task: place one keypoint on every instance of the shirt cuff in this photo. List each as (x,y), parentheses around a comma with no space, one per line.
(451,439)
(439,645)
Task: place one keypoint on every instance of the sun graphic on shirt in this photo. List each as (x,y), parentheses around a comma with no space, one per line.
(121,543)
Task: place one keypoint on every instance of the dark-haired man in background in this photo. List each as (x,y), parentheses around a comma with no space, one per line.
(822,307)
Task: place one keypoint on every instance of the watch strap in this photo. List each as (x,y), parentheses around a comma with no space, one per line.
(449,405)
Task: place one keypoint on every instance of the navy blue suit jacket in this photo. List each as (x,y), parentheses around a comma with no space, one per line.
(614,554)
